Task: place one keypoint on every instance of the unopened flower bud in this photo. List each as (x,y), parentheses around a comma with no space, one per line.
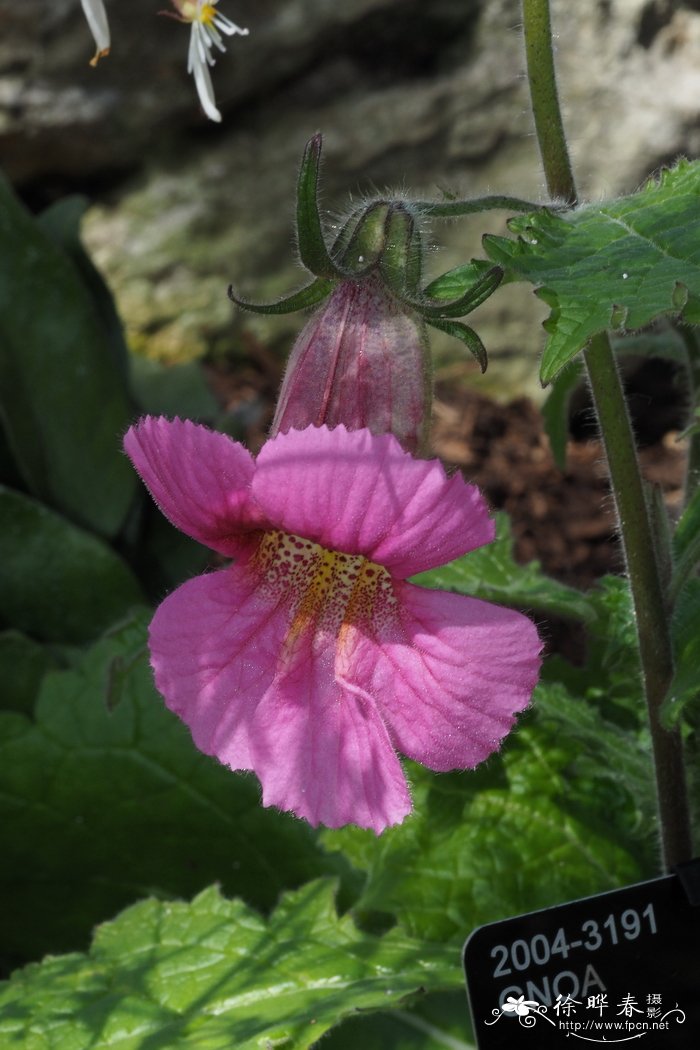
(362,360)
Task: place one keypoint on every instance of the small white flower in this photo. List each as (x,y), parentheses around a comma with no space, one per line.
(207,26)
(99,27)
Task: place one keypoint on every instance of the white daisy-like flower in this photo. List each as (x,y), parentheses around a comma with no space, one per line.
(207,24)
(99,27)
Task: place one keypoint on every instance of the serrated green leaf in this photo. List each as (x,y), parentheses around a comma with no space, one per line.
(625,261)
(63,401)
(491,573)
(58,582)
(215,975)
(104,798)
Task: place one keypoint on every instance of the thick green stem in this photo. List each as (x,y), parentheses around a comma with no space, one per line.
(625,477)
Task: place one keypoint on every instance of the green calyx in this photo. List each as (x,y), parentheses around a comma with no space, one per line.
(382,237)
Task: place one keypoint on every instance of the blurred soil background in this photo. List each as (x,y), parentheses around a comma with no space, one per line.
(426,99)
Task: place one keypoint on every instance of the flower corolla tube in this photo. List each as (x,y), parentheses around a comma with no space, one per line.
(310,659)
(361,360)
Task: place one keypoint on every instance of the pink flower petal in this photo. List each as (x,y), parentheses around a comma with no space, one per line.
(448,673)
(362,494)
(215,644)
(200,480)
(323,752)
(222,659)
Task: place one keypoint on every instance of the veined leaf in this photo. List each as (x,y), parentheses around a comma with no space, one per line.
(104,797)
(616,264)
(214,975)
(63,397)
(58,582)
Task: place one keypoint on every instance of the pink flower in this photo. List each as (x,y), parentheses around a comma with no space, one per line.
(310,659)
(363,360)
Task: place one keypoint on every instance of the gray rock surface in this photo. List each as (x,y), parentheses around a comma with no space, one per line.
(415,96)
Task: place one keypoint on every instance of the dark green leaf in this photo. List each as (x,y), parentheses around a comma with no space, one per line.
(621,263)
(104,798)
(215,975)
(63,400)
(58,582)
(61,221)
(23,664)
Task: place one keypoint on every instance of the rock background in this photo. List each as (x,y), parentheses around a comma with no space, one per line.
(411,95)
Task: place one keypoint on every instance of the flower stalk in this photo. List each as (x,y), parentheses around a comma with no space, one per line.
(636,533)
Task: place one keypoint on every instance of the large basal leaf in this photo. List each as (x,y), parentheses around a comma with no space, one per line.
(536,825)
(23,664)
(58,582)
(62,221)
(492,574)
(104,798)
(618,264)
(63,398)
(215,975)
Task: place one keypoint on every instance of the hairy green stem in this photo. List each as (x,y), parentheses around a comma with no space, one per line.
(647,594)
(626,482)
(545,101)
